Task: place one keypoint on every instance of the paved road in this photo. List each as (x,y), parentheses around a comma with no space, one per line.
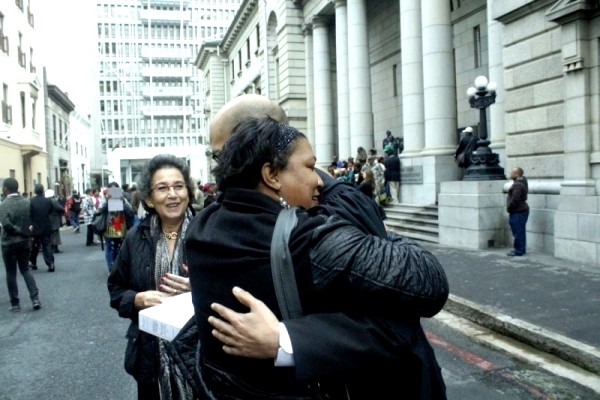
(73,347)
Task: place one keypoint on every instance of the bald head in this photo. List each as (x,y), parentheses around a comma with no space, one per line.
(236,111)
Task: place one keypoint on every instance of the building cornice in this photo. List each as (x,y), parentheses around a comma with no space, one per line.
(60,98)
(238,24)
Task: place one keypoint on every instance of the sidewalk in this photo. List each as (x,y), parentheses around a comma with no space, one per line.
(545,302)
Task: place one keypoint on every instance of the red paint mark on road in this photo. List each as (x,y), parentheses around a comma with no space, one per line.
(473,359)
(463,354)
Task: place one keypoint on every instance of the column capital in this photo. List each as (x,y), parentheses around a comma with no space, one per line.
(319,21)
(307,29)
(340,3)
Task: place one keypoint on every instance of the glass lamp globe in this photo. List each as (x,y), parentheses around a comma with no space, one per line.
(481,82)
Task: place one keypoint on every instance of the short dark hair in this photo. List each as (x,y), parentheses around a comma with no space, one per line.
(144,183)
(38,189)
(253,143)
(11,185)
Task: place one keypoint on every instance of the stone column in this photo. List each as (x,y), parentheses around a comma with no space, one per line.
(324,143)
(310,90)
(359,78)
(341,35)
(497,134)
(438,78)
(412,77)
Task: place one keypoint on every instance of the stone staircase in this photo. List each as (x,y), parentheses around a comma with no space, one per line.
(417,222)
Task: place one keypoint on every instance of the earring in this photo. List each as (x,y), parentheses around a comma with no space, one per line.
(283,203)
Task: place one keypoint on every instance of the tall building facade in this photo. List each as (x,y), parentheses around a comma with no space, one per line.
(150,93)
(346,71)
(22,136)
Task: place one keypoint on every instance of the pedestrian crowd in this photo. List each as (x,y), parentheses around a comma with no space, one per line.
(349,322)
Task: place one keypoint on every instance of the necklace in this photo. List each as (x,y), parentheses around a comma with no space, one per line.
(170,235)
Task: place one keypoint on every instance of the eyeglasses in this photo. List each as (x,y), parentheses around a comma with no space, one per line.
(164,189)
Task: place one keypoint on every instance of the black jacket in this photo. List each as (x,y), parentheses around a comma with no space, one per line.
(41,208)
(392,168)
(133,273)
(338,269)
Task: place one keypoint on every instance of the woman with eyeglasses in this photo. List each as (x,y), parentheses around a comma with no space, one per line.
(150,267)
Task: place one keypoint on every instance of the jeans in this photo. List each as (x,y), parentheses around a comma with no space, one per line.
(111,249)
(18,254)
(45,243)
(74,218)
(517,222)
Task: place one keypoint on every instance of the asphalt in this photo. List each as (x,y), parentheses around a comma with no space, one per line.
(550,304)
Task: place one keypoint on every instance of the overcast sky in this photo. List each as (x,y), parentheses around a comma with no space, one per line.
(66,44)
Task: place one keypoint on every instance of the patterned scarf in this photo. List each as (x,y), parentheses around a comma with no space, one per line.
(170,381)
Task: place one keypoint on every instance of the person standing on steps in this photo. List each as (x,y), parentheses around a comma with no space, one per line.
(41,227)
(15,220)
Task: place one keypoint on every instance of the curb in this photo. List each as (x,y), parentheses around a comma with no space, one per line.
(581,354)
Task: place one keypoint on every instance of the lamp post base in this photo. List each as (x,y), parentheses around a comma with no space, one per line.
(484,166)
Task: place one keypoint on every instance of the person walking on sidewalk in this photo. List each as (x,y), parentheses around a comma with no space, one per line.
(41,228)
(15,220)
(55,220)
(89,209)
(518,211)
(74,208)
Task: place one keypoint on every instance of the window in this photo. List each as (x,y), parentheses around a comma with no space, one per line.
(395,79)
(477,46)
(247,52)
(257,37)
(23,108)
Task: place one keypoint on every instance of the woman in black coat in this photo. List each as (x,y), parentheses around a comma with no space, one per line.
(151,266)
(266,166)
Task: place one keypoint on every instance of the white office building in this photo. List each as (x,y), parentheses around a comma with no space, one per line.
(150,93)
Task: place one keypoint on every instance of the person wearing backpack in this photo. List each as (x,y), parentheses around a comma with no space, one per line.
(466,147)
(74,208)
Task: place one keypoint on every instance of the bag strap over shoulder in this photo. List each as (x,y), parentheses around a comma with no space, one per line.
(282,267)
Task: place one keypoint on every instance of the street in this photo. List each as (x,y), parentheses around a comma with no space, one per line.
(73,347)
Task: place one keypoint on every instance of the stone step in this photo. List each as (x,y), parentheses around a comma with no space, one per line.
(415,221)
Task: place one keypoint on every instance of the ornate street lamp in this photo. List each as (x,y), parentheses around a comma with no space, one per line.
(484,164)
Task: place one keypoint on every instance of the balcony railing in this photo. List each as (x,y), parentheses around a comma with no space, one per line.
(167,111)
(22,58)
(167,72)
(30,17)
(164,16)
(3,42)
(6,113)
(165,54)
(167,91)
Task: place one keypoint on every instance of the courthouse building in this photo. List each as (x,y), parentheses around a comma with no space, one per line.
(346,71)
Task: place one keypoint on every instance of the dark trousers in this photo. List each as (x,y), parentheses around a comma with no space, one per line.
(89,239)
(45,242)
(18,254)
(517,222)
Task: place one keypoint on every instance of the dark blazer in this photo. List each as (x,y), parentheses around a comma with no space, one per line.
(55,217)
(468,144)
(40,210)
